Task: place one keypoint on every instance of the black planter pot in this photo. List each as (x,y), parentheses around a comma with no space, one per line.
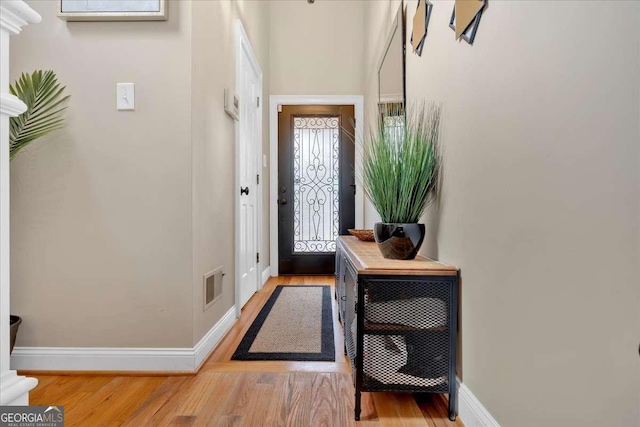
(14,324)
(399,241)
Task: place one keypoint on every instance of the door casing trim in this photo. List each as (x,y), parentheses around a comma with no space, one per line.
(358,103)
(244,44)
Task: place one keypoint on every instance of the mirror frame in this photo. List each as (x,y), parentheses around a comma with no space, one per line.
(399,22)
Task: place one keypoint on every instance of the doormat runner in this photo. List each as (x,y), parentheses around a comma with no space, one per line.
(295,324)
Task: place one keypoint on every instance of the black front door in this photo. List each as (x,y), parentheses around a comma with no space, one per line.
(316,185)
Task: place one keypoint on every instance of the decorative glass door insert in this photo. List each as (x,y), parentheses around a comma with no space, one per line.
(316,183)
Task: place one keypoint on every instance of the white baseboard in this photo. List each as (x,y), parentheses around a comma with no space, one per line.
(266,274)
(471,411)
(102,359)
(122,359)
(205,346)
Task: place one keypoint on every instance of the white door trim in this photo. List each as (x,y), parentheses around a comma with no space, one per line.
(243,44)
(358,102)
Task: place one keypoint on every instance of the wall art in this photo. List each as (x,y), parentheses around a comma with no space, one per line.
(465,18)
(420,25)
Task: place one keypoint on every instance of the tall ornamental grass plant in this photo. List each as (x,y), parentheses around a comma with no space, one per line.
(402,164)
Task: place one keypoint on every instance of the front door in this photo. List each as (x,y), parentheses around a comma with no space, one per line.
(316,185)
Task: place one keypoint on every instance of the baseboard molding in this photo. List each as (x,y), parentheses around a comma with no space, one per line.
(266,274)
(208,343)
(102,359)
(154,360)
(471,411)
(39,373)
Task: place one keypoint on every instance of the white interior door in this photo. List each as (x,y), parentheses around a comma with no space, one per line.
(249,87)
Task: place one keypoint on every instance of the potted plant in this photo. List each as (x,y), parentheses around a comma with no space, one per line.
(400,173)
(43,96)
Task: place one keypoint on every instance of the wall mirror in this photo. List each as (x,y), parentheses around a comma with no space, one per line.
(391,74)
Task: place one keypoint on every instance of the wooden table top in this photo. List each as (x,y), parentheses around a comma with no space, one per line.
(367,259)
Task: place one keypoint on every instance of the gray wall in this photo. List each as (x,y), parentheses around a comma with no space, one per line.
(214,190)
(116,218)
(540,202)
(317,49)
(101,211)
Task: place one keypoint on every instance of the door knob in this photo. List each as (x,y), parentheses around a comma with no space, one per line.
(244,190)
(282,201)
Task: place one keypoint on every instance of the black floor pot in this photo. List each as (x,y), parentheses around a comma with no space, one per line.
(398,241)
(14,324)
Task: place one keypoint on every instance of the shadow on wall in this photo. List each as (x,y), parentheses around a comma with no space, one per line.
(430,249)
(432,222)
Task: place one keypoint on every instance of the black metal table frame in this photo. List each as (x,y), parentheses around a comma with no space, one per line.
(452,326)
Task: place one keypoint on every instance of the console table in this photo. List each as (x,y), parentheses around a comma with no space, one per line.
(399,320)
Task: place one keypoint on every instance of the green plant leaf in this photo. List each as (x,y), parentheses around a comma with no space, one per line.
(44,97)
(402,162)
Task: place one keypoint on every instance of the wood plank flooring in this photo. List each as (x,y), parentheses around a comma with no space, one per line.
(239,393)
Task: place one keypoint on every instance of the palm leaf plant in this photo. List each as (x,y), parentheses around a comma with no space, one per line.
(44,97)
(400,175)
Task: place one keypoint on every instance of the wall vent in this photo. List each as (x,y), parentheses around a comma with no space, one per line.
(212,287)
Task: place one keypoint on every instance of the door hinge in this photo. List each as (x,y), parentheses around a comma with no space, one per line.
(257,179)
(279,108)
(258,102)
(257,257)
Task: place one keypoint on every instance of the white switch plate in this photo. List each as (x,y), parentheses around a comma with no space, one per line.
(126,96)
(264,160)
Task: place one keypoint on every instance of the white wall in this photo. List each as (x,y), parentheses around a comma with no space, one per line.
(540,204)
(317,49)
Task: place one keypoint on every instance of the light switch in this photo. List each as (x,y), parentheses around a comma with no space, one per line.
(264,160)
(126,96)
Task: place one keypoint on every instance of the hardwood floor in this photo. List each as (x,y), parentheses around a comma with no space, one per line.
(239,393)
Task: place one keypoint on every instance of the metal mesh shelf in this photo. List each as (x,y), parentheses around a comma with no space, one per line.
(400,330)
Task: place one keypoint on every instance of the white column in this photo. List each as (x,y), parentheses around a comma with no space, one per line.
(14,14)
